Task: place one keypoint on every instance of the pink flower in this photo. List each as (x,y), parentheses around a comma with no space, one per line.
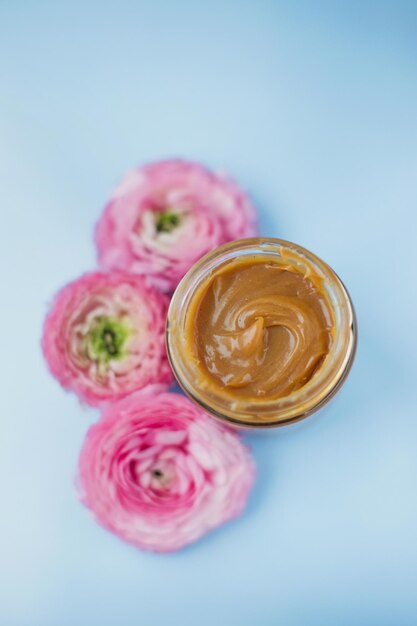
(104,336)
(160,473)
(166,215)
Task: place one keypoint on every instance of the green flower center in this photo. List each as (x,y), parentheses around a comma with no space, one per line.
(166,221)
(107,339)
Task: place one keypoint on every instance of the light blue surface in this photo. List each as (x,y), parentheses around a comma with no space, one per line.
(312,106)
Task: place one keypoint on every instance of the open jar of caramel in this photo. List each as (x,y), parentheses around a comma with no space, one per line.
(261,333)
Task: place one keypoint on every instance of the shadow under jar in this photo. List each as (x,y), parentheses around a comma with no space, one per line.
(261,333)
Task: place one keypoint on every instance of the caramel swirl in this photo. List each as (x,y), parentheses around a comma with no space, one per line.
(261,329)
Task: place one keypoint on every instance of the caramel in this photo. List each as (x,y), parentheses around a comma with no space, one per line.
(258,329)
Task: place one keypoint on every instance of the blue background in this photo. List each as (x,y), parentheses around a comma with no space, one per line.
(312,106)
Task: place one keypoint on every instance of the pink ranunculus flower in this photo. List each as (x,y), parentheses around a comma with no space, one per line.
(166,215)
(104,336)
(159,473)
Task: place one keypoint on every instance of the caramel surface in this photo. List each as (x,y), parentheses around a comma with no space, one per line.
(259,329)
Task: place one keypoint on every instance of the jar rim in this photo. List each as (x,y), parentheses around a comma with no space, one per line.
(298,404)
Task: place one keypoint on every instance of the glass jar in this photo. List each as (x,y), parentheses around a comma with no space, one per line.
(263,413)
